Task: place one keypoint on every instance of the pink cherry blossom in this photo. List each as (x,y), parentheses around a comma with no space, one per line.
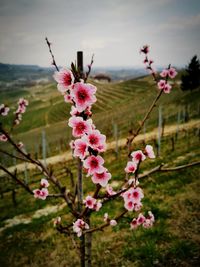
(64,78)
(110,190)
(113,222)
(164,73)
(80,148)
(149,151)
(3,138)
(151,217)
(71,144)
(68,98)
(44,183)
(96,140)
(101,178)
(141,219)
(131,167)
(41,194)
(167,88)
(23,102)
(129,205)
(4,110)
(138,156)
(89,202)
(93,164)
(161,84)
(134,224)
(83,95)
(148,223)
(172,73)
(78,226)
(79,126)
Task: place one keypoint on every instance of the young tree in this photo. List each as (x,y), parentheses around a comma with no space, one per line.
(87,145)
(191,80)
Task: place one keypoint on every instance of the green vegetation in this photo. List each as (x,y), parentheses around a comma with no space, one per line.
(173,197)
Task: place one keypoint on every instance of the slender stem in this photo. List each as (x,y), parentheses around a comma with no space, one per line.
(53,58)
(88,245)
(14,177)
(131,138)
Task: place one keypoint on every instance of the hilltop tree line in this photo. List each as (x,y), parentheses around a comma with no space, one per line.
(191,78)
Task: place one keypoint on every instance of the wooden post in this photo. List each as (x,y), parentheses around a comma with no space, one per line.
(44,153)
(115,130)
(159,128)
(80,174)
(178,123)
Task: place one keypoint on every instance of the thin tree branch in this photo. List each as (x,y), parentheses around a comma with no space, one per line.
(13,156)
(89,69)
(14,176)
(50,51)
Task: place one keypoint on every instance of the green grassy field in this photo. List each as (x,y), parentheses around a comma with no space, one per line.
(173,197)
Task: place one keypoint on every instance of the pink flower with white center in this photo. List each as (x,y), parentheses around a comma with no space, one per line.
(80,148)
(41,194)
(131,167)
(105,217)
(134,224)
(145,49)
(3,138)
(57,221)
(97,205)
(83,95)
(161,84)
(78,227)
(113,222)
(101,178)
(68,98)
(64,78)
(138,156)
(44,183)
(96,140)
(79,126)
(164,73)
(93,164)
(172,73)
(74,111)
(4,110)
(148,223)
(89,202)
(167,88)
(141,219)
(133,194)
(149,151)
(110,190)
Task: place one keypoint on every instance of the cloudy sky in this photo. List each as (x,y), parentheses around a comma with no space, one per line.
(113,30)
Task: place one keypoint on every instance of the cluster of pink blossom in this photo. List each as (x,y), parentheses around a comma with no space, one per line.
(57,221)
(43,192)
(22,104)
(133,196)
(89,140)
(92,203)
(108,220)
(146,222)
(4,110)
(162,84)
(78,227)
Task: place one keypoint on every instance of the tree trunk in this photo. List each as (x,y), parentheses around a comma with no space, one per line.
(88,246)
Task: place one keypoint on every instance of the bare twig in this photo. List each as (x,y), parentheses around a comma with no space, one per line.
(89,69)
(14,176)
(50,51)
